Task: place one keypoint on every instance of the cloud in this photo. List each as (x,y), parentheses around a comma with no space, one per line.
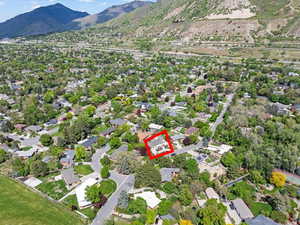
(2,3)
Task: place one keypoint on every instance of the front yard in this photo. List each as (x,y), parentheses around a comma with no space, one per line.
(83,169)
(72,201)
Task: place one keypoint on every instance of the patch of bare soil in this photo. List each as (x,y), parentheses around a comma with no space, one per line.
(276,24)
(175,12)
(224,28)
(295,29)
(235,14)
(208,51)
(231,4)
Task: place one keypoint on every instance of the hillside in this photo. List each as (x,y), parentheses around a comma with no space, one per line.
(42,20)
(204,20)
(106,15)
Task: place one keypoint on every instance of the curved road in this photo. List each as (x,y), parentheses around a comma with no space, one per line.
(124,183)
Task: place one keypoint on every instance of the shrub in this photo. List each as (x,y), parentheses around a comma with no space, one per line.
(147,176)
(105,172)
(279,217)
(3,156)
(46,140)
(169,188)
(164,207)
(278,179)
(138,205)
(258,208)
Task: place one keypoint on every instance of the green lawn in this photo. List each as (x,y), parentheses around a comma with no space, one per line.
(83,169)
(258,208)
(20,206)
(108,187)
(55,189)
(89,212)
(72,200)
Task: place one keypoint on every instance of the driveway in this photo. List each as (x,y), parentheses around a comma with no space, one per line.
(127,183)
(189,148)
(124,183)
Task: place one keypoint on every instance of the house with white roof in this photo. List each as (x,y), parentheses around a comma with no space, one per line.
(212,194)
(81,192)
(26,154)
(221,149)
(155,127)
(150,198)
(32,182)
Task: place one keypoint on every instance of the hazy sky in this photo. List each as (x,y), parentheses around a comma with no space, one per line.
(11,8)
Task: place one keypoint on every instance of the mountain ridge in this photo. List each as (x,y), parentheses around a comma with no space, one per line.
(106,15)
(59,18)
(42,20)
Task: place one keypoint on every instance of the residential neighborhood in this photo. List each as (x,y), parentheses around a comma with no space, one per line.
(74,132)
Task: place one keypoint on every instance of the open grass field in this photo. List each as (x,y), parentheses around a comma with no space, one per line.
(20,206)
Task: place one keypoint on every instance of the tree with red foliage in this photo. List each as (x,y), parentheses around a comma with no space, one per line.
(187,141)
(101,203)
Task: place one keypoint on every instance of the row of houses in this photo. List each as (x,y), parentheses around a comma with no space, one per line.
(237,211)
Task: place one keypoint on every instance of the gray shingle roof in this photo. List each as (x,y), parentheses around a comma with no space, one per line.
(167,217)
(167,173)
(69,176)
(178,137)
(242,209)
(108,131)
(261,220)
(52,122)
(68,157)
(117,122)
(33,128)
(90,141)
(123,148)
(157,141)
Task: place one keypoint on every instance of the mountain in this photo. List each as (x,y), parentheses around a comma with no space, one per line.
(209,20)
(106,15)
(42,20)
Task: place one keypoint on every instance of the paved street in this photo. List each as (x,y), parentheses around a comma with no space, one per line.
(124,183)
(188,148)
(96,165)
(221,116)
(106,211)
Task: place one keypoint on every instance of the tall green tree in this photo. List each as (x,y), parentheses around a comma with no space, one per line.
(213,213)
(147,176)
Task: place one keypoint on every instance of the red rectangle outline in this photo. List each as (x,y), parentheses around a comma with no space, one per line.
(165,133)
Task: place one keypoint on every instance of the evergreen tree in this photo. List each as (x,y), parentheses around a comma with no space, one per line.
(123,200)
